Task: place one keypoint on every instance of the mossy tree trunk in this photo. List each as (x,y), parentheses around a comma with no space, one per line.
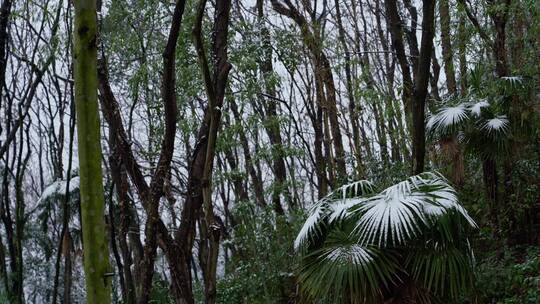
(96,253)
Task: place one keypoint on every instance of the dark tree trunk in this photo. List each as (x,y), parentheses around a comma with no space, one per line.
(421,85)
(491,181)
(395,27)
(353,108)
(446,44)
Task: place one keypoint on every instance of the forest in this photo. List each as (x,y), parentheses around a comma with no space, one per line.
(270,151)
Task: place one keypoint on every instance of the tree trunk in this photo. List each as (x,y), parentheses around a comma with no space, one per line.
(421,85)
(272,124)
(323,74)
(395,26)
(447,52)
(491,181)
(215,84)
(96,251)
(5,12)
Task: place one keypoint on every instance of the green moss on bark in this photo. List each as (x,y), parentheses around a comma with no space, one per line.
(96,251)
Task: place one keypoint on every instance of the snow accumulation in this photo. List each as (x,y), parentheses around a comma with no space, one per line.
(58,188)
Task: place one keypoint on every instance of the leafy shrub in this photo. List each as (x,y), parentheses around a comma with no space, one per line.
(513,279)
(261,270)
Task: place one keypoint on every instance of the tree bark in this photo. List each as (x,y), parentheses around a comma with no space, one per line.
(96,251)
(324,75)
(272,124)
(421,86)
(215,84)
(353,109)
(395,26)
(446,44)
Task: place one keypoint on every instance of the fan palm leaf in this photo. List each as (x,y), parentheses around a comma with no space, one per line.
(345,271)
(396,214)
(476,108)
(448,118)
(413,231)
(330,208)
(496,126)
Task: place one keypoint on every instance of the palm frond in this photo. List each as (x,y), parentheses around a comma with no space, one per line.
(496,126)
(353,254)
(476,108)
(310,226)
(391,216)
(332,207)
(447,118)
(445,271)
(369,245)
(340,209)
(514,80)
(343,270)
(399,212)
(354,189)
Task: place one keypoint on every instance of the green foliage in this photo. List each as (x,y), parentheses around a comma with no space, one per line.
(512,279)
(261,271)
(160,292)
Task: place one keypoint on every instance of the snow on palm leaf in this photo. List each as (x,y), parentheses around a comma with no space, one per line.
(353,254)
(497,125)
(513,80)
(398,213)
(345,267)
(58,189)
(358,245)
(392,216)
(331,207)
(447,117)
(476,108)
(310,225)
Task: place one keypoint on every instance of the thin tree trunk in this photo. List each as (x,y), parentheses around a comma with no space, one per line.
(273,126)
(5,12)
(255,177)
(395,27)
(353,111)
(119,179)
(215,84)
(96,252)
(446,44)
(491,181)
(421,86)
(324,75)
(65,219)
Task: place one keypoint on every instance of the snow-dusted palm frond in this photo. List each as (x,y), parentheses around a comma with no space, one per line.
(58,188)
(355,189)
(419,218)
(447,117)
(392,216)
(343,266)
(476,108)
(332,207)
(340,209)
(513,80)
(496,125)
(310,225)
(400,212)
(354,254)
(438,196)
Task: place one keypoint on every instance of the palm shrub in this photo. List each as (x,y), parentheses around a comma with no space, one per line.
(406,243)
(485,122)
